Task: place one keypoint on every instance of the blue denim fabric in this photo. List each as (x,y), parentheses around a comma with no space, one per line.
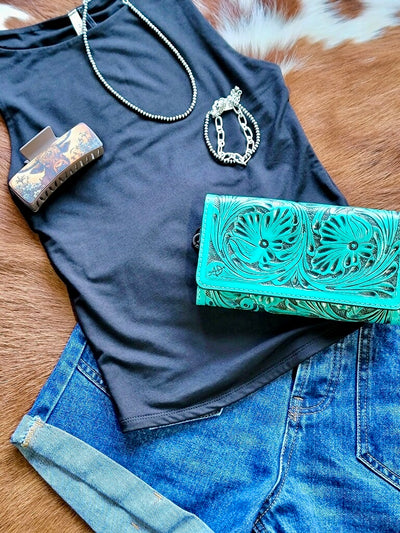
(316,450)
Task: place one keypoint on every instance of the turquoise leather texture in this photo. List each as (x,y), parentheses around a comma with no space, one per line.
(316,260)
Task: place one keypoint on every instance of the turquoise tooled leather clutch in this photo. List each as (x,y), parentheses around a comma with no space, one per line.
(314,260)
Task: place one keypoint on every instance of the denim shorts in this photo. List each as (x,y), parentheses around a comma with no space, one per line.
(317,450)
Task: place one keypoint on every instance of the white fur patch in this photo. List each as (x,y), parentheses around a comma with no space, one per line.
(261,29)
(7,12)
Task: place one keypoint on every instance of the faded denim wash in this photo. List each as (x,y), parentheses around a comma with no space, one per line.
(315,451)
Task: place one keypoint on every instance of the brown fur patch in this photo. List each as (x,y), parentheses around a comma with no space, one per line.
(40,10)
(348,8)
(347,101)
(288,8)
(213,9)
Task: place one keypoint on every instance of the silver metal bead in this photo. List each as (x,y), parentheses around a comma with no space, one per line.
(164,40)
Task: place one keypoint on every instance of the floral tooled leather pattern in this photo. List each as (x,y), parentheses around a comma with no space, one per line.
(263,238)
(308,252)
(345,242)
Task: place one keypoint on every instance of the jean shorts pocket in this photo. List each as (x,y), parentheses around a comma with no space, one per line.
(89,369)
(378,401)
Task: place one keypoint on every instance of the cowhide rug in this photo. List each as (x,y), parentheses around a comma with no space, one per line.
(341,62)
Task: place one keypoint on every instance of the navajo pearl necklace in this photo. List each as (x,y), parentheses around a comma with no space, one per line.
(166,42)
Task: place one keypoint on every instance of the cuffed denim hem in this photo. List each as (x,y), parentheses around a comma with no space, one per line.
(315,450)
(105,494)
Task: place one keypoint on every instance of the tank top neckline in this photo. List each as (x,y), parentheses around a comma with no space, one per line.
(109,11)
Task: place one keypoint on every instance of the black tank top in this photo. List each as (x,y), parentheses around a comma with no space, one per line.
(119,233)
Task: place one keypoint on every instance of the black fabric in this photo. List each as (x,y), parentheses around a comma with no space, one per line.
(119,233)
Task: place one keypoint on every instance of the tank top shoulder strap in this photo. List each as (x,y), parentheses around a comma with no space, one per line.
(205,30)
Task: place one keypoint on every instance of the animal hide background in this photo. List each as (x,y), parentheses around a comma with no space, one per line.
(340,61)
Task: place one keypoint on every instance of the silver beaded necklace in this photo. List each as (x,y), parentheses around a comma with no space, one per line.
(220,106)
(166,42)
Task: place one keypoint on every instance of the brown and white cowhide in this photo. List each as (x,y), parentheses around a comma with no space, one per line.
(340,60)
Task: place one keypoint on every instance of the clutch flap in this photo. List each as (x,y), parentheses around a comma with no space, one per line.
(334,254)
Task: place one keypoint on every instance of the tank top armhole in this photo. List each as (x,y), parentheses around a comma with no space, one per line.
(7,119)
(191,10)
